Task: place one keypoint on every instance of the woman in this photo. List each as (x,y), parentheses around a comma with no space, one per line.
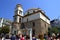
(33,37)
(22,37)
(17,37)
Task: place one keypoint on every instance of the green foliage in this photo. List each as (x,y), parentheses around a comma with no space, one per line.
(53,30)
(4,30)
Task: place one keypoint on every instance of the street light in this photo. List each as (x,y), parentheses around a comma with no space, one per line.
(30,31)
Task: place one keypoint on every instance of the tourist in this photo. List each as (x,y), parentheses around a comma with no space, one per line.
(53,36)
(27,37)
(3,38)
(45,36)
(17,37)
(0,37)
(40,36)
(49,36)
(22,37)
(7,36)
(33,37)
(58,37)
(13,37)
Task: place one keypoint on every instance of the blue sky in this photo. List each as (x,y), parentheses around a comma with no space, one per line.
(51,7)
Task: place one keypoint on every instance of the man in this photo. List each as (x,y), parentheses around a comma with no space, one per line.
(13,37)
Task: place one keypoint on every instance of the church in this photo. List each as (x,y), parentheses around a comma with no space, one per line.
(33,18)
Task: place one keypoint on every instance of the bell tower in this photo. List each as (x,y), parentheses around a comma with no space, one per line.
(18,13)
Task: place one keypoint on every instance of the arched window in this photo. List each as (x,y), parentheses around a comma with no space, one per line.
(20,12)
(22,26)
(19,19)
(33,31)
(33,24)
(27,19)
(33,11)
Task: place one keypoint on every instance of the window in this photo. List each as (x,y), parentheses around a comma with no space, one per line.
(33,31)
(45,25)
(14,32)
(22,26)
(33,11)
(20,12)
(27,13)
(27,19)
(19,19)
(33,24)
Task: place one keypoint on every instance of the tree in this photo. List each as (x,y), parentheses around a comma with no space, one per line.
(5,29)
(55,29)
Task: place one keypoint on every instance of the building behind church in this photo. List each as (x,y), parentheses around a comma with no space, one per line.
(33,18)
(5,22)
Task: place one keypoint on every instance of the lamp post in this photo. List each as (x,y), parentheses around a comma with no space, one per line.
(30,33)
(29,29)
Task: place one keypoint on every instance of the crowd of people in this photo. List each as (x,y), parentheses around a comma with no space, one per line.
(15,37)
(27,37)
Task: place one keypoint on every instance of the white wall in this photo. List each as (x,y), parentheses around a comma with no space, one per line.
(19,8)
(17,12)
(44,18)
(31,17)
(17,20)
(36,16)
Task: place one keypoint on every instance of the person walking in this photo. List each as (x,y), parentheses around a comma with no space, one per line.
(27,37)
(3,38)
(17,37)
(58,37)
(22,37)
(33,37)
(13,37)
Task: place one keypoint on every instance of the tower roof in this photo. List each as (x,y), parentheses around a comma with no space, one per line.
(18,5)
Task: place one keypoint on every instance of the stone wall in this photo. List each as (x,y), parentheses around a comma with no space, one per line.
(41,27)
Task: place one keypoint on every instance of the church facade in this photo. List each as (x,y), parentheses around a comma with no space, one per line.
(34,18)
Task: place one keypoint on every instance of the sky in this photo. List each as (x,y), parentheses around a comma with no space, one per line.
(51,7)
